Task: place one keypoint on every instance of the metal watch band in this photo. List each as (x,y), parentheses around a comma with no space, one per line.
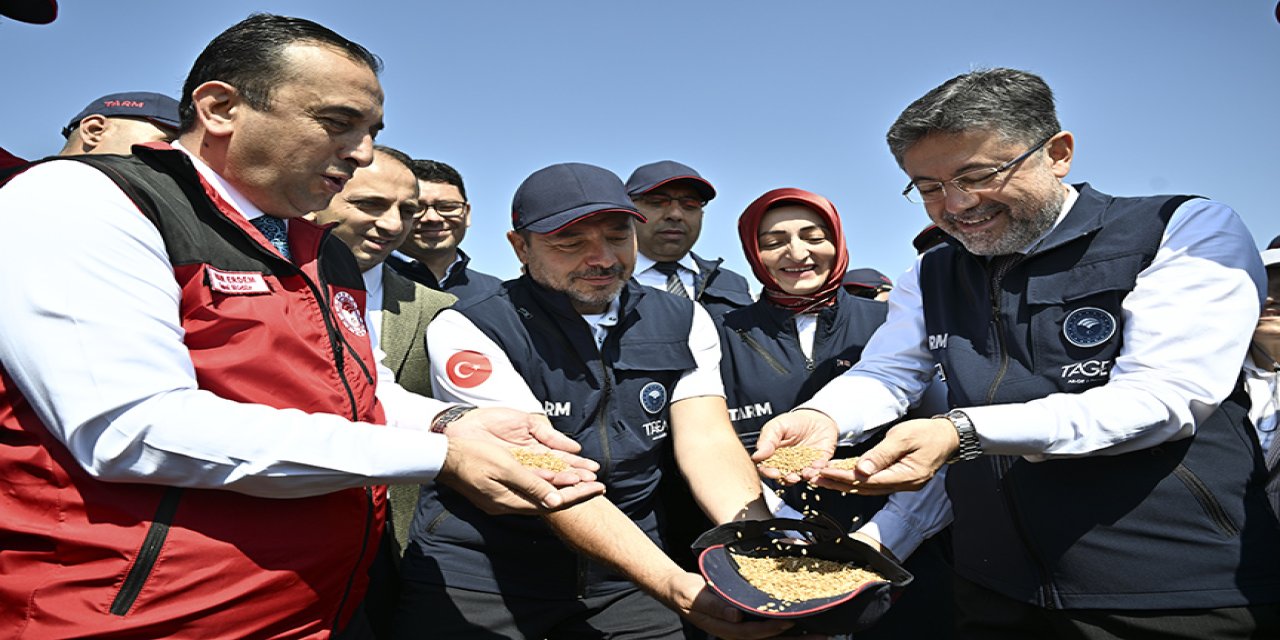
(449,415)
(970,448)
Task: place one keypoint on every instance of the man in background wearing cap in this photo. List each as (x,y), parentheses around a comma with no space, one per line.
(1262,373)
(116,122)
(632,375)
(432,255)
(866,282)
(672,197)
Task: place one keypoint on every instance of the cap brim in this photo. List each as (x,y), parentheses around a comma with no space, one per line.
(30,11)
(703,187)
(1271,257)
(557,222)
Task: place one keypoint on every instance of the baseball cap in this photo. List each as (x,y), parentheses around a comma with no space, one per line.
(156,107)
(1271,256)
(929,237)
(866,278)
(32,11)
(655,174)
(557,196)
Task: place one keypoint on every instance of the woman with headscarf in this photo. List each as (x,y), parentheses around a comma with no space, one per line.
(803,331)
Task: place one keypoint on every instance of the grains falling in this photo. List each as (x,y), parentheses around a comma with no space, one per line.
(792,459)
(792,579)
(535,460)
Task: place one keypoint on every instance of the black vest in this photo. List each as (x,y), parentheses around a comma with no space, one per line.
(1180,525)
(613,401)
(764,369)
(720,290)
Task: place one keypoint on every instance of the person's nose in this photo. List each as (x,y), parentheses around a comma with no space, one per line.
(362,151)
(390,224)
(957,199)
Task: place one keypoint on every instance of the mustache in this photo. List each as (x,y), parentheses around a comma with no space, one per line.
(599,272)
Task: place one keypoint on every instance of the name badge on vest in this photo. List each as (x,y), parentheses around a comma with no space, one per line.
(236,283)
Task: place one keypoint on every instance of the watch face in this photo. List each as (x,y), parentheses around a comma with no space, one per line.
(1088,327)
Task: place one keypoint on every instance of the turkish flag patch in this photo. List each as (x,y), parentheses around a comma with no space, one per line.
(468,369)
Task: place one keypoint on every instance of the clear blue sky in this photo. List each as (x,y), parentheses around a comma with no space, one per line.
(1162,95)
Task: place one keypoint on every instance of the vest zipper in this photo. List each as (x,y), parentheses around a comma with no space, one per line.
(606,463)
(768,358)
(145,561)
(1004,463)
(1200,491)
(364,547)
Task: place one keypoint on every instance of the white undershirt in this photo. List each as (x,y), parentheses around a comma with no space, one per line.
(92,338)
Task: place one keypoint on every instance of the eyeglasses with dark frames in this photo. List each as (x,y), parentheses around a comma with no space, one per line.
(975,181)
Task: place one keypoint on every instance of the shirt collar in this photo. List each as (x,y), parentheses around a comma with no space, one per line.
(241,204)
(645,263)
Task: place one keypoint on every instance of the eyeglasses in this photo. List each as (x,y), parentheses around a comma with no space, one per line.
(974,181)
(444,208)
(661,200)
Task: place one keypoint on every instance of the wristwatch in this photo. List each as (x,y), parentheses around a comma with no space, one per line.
(970,448)
(449,415)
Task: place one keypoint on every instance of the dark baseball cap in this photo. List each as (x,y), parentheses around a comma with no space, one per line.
(655,174)
(557,196)
(866,278)
(31,11)
(158,108)
(1271,256)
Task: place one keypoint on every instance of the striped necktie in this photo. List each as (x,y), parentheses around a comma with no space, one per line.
(672,271)
(273,229)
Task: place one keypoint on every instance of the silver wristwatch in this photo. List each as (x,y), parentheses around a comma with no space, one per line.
(970,448)
(449,415)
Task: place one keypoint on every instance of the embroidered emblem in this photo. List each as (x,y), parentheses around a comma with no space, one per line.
(344,304)
(468,369)
(236,282)
(653,397)
(1088,327)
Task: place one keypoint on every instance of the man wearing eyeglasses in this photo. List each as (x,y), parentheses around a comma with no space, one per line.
(432,255)
(1105,481)
(672,196)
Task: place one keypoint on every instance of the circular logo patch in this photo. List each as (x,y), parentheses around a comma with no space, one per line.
(467,369)
(344,304)
(653,397)
(1088,327)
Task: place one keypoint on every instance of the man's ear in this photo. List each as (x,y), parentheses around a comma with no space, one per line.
(1061,149)
(93,128)
(216,105)
(519,245)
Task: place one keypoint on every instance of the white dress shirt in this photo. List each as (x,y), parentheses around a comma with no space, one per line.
(647,275)
(1176,364)
(1263,385)
(92,338)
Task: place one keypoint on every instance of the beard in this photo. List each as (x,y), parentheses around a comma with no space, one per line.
(585,298)
(1025,222)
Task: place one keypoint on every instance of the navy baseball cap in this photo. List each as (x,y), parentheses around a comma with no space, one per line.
(655,174)
(866,278)
(557,196)
(31,11)
(158,108)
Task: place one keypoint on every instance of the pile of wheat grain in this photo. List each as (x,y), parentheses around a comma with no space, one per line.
(794,579)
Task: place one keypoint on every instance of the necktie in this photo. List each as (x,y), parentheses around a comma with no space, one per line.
(672,271)
(274,230)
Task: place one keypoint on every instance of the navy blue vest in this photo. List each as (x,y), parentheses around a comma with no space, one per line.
(613,401)
(764,369)
(720,290)
(1181,525)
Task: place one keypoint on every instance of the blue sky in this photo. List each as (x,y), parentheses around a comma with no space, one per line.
(1162,95)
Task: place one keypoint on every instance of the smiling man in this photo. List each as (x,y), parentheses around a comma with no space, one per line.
(195,432)
(630,373)
(1105,481)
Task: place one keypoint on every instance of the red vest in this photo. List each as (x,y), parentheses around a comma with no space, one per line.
(84,558)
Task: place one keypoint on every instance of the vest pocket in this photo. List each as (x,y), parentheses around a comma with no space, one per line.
(1212,508)
(145,561)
